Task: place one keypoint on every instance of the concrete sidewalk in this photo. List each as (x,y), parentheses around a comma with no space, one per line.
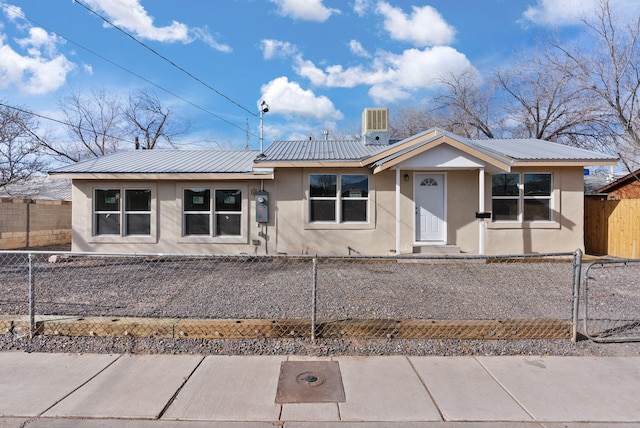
(147,391)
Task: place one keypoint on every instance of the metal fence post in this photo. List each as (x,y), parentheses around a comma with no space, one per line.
(314,281)
(32,299)
(577,271)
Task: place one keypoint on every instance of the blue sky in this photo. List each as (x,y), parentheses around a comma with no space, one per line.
(317,63)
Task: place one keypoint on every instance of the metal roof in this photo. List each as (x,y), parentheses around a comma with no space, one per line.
(167,162)
(316,150)
(538,150)
(39,187)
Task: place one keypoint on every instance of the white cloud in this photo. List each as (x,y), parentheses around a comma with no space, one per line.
(203,34)
(32,74)
(357,49)
(570,12)
(13,13)
(391,77)
(424,27)
(306,10)
(289,99)
(130,15)
(88,69)
(360,7)
(275,48)
(37,67)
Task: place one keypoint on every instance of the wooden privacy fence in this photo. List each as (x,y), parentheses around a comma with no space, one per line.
(612,227)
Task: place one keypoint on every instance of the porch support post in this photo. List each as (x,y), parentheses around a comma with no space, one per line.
(481,208)
(397,211)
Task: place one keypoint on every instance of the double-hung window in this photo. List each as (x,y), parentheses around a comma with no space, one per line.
(109,211)
(337,198)
(212,213)
(522,197)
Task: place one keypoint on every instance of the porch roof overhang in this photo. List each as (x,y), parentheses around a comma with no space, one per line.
(502,154)
(432,140)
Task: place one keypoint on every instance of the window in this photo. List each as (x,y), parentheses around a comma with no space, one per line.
(352,204)
(537,197)
(197,207)
(506,196)
(228,212)
(226,215)
(521,196)
(108,212)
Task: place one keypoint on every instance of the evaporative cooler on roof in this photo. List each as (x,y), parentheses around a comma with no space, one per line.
(375,126)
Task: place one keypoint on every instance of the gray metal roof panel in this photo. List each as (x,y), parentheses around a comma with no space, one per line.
(326,150)
(167,162)
(538,150)
(39,187)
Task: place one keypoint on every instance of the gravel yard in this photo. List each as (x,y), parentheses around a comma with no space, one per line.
(276,288)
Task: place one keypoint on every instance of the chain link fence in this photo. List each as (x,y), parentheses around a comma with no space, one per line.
(180,296)
(612,301)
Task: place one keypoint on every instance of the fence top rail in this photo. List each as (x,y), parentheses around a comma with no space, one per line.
(612,262)
(300,256)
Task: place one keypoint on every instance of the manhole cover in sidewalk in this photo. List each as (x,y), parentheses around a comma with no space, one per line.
(310,382)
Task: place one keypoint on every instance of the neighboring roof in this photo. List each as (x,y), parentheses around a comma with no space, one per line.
(164,162)
(593,183)
(622,181)
(38,187)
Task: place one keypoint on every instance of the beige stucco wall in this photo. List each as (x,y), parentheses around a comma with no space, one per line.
(34,223)
(288,232)
(564,234)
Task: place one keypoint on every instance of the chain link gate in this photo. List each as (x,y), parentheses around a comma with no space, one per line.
(220,296)
(612,301)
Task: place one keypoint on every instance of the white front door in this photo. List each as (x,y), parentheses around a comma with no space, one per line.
(430,208)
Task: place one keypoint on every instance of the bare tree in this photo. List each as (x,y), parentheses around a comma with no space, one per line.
(145,114)
(611,72)
(101,123)
(409,121)
(544,98)
(466,105)
(95,126)
(20,155)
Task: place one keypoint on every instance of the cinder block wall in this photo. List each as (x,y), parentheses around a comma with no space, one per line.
(34,223)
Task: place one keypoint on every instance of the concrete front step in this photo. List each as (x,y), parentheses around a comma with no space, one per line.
(436,249)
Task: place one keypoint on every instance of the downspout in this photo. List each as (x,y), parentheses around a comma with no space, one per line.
(481,221)
(397,211)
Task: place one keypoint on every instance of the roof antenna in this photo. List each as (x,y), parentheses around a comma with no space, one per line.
(246,146)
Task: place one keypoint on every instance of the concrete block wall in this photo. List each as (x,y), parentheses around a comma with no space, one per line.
(34,223)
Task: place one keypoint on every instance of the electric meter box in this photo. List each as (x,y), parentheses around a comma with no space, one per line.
(262,207)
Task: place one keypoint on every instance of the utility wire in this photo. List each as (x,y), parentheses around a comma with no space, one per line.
(18,12)
(164,57)
(62,122)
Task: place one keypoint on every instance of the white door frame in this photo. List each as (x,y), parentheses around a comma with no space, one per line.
(417,177)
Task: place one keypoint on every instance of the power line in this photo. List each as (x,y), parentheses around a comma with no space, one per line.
(18,12)
(58,121)
(164,58)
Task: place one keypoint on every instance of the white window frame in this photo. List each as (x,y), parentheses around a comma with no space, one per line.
(369,223)
(122,236)
(520,222)
(211,237)
(339,200)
